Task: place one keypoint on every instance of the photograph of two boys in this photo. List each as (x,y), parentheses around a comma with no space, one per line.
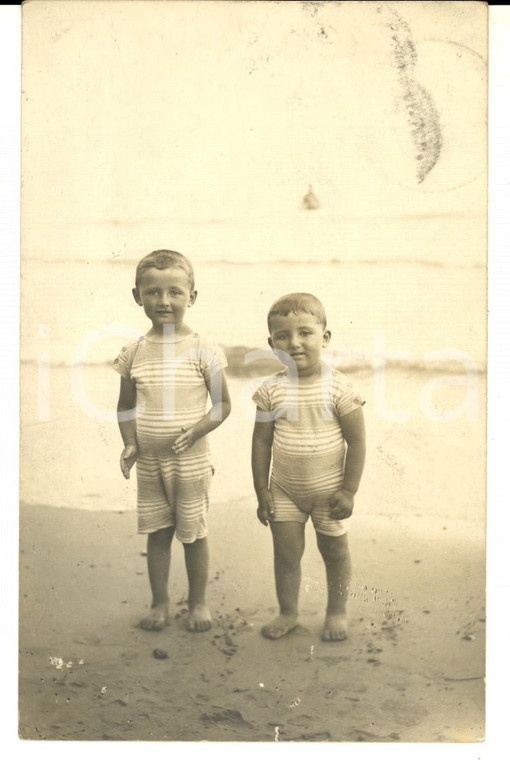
(253,371)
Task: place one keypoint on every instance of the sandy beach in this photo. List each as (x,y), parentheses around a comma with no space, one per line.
(144,130)
(411,670)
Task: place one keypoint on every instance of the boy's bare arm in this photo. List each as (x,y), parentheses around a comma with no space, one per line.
(218,413)
(353,428)
(261,463)
(126,416)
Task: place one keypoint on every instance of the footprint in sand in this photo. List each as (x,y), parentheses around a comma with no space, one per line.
(225,715)
(406,713)
(360,735)
(301,720)
(232,625)
(316,736)
(226,644)
(332,661)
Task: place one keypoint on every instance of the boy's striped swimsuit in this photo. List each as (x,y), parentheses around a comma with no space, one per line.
(171,393)
(308,444)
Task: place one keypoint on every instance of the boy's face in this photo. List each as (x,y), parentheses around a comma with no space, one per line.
(298,340)
(165,294)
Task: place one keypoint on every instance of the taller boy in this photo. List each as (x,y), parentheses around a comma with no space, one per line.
(166,378)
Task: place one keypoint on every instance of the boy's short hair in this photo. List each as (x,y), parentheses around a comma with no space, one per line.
(297,303)
(165,260)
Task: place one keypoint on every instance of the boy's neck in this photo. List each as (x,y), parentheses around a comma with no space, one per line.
(169,332)
(312,375)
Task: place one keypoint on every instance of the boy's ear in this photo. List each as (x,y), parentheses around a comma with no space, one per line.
(326,338)
(270,341)
(136,296)
(192,298)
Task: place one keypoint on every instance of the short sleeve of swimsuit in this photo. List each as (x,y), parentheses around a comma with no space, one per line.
(123,363)
(262,397)
(211,358)
(270,397)
(345,396)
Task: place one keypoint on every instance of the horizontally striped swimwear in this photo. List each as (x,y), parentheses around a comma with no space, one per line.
(308,444)
(171,379)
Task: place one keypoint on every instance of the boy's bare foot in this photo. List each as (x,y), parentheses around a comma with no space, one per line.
(199,618)
(335,628)
(157,619)
(279,627)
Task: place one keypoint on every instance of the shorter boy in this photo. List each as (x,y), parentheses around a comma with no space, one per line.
(309,421)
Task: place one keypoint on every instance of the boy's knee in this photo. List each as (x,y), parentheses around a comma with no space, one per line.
(333,547)
(162,536)
(196,545)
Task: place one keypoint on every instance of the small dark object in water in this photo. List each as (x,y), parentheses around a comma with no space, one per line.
(310,201)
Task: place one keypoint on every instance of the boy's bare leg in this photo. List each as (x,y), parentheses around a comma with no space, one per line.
(158,564)
(335,553)
(288,544)
(197,566)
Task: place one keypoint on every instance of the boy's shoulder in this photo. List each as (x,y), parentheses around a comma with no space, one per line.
(124,360)
(267,395)
(133,344)
(341,383)
(274,381)
(344,394)
(205,342)
(339,377)
(129,349)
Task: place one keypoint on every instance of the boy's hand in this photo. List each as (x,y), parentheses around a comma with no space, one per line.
(265,510)
(127,459)
(342,504)
(185,441)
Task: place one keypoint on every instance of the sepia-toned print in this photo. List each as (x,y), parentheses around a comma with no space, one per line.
(253,371)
